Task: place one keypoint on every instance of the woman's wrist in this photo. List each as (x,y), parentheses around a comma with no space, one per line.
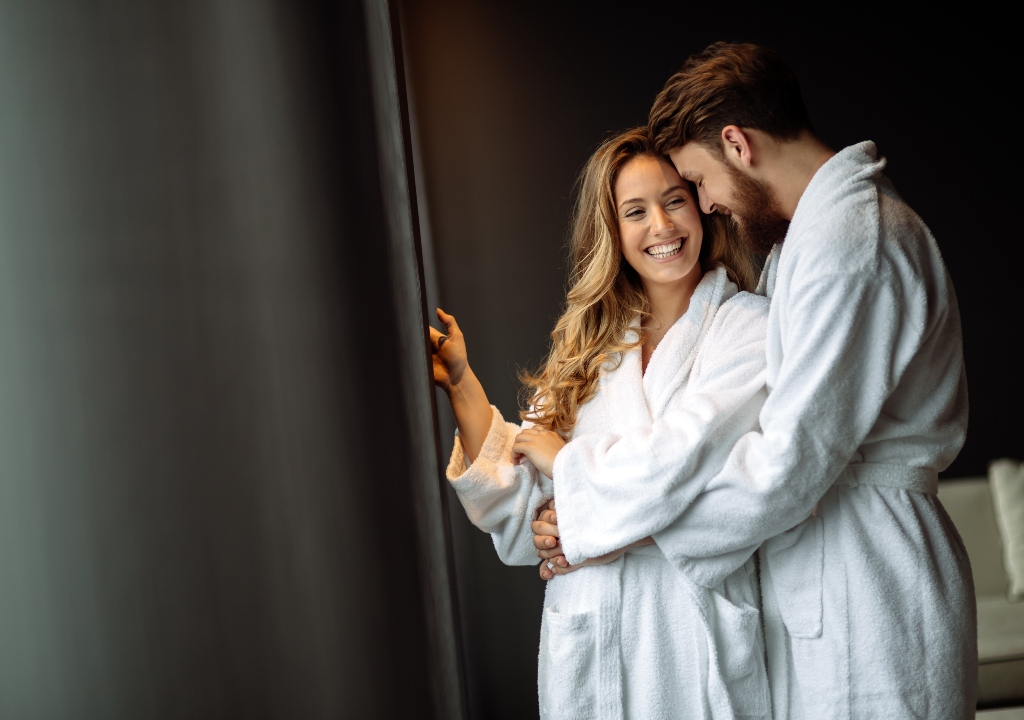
(472,412)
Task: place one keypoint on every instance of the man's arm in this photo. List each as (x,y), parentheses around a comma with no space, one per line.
(601,507)
(849,338)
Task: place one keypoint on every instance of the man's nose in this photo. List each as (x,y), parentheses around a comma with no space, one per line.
(706,206)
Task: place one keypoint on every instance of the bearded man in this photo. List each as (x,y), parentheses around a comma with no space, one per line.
(868,599)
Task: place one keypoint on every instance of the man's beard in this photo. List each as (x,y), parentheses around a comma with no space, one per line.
(756,214)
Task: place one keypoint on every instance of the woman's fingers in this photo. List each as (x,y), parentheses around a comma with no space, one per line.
(546,542)
(435,335)
(449,321)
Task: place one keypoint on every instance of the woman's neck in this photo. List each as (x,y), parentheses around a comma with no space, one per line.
(669,301)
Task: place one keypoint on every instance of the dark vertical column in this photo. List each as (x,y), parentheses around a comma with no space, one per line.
(212,436)
(398,183)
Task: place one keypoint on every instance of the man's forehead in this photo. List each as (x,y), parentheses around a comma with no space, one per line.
(690,160)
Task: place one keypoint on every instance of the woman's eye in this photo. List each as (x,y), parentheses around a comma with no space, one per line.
(675,202)
(634,213)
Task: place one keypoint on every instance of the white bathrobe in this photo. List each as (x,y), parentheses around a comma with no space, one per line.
(868,603)
(636,638)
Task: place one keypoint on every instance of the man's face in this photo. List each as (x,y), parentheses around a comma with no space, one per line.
(729,190)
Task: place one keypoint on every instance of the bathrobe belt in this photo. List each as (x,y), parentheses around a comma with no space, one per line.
(901,477)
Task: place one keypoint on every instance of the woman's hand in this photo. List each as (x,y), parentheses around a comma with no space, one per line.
(453,374)
(539,446)
(448,352)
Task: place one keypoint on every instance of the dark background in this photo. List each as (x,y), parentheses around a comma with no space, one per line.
(511,98)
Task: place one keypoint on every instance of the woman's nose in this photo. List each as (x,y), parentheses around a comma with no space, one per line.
(661,222)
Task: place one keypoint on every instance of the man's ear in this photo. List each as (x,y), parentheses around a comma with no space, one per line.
(737,146)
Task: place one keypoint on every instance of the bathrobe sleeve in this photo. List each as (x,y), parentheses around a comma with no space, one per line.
(500,498)
(853,325)
(612,490)
(850,336)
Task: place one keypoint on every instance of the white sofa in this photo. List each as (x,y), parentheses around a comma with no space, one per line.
(1000,622)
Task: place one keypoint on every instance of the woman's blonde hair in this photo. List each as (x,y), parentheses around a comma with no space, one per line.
(605,293)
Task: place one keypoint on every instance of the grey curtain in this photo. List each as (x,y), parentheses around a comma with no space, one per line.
(218,471)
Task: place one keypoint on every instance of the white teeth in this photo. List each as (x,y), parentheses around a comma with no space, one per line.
(663,251)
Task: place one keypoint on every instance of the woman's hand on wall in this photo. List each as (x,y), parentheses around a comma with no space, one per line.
(448,352)
(452,373)
(539,446)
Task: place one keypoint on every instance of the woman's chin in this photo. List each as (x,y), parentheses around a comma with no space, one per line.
(667,273)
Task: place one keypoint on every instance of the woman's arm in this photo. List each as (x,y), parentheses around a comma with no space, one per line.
(453,374)
(499,494)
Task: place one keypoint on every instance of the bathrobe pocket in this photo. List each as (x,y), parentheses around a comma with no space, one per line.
(796,560)
(567,666)
(741,655)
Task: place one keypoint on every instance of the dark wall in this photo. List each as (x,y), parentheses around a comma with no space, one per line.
(207,452)
(511,98)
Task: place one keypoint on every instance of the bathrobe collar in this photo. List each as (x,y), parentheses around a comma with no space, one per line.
(838,176)
(671,363)
(841,173)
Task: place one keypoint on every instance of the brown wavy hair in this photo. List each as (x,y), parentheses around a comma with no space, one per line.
(605,293)
(728,84)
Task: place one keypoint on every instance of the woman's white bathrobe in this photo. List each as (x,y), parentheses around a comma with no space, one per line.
(636,638)
(868,604)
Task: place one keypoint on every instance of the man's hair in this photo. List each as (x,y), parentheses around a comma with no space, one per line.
(728,84)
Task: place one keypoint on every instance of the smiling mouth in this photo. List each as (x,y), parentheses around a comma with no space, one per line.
(665,250)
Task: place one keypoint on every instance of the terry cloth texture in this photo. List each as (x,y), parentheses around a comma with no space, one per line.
(636,638)
(867,403)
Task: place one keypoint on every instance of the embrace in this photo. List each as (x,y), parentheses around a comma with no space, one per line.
(728,462)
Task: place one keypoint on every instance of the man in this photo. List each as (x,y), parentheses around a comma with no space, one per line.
(867,593)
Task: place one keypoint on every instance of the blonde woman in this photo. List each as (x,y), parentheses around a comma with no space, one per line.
(653,322)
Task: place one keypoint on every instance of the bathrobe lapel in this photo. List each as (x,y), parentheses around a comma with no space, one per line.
(672,361)
(636,399)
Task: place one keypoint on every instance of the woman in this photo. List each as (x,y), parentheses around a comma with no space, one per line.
(652,322)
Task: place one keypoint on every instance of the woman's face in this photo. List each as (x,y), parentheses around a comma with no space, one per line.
(659,222)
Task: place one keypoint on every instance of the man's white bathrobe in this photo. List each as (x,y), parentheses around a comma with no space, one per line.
(636,638)
(868,602)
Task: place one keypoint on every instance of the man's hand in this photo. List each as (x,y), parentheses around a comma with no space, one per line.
(539,446)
